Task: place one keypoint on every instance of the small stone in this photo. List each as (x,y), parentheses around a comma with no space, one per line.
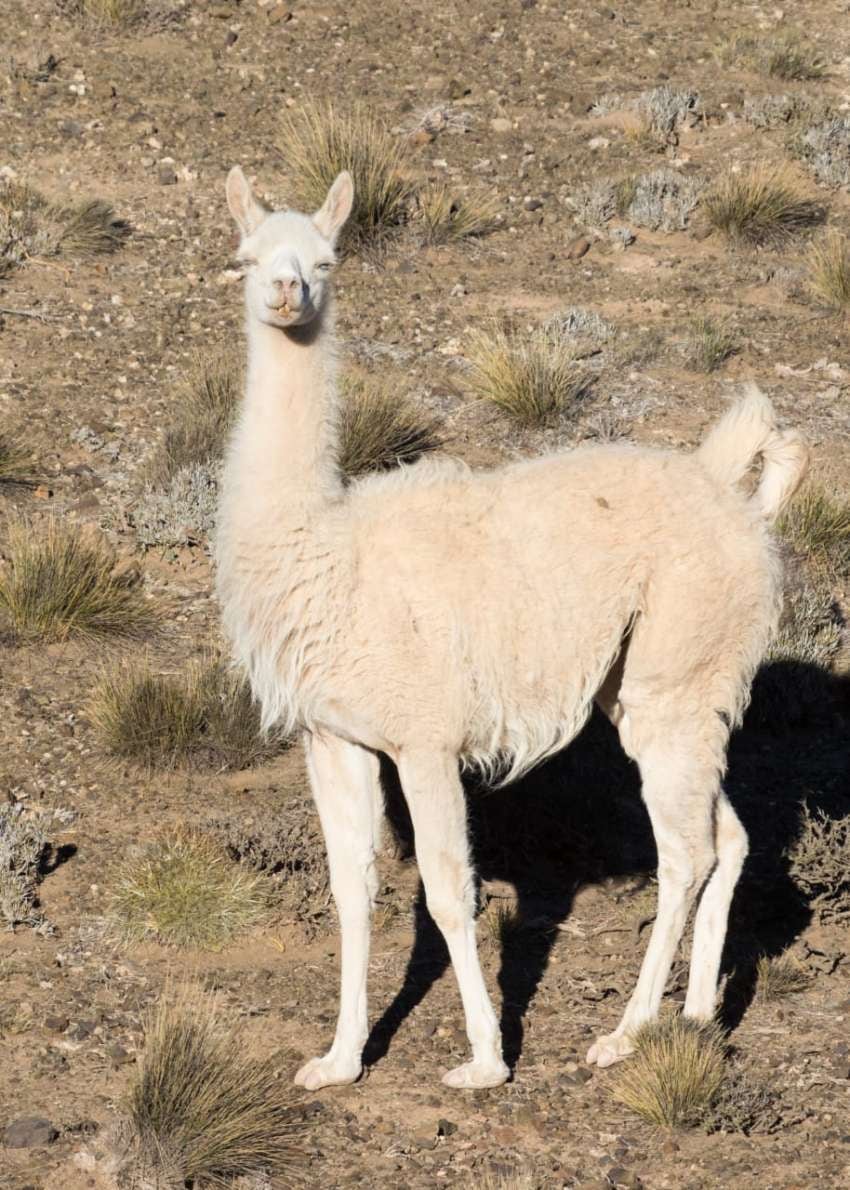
(119,1055)
(446,1128)
(598,142)
(56,1024)
(577,248)
(71,128)
(532,204)
(420,137)
(279,15)
(501,124)
(425,1141)
(29,1132)
(167,175)
(231,38)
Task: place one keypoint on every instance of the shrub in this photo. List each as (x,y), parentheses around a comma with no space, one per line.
(778,977)
(709,345)
(206,405)
(817,525)
(761,205)
(660,200)
(819,864)
(577,325)
(181,514)
(825,148)
(203,716)
(676,1073)
(202,1109)
(318,141)
(14,462)
(30,225)
(182,890)
(23,842)
(447,218)
(379,429)
(788,58)
(663,110)
(829,270)
(57,582)
(536,379)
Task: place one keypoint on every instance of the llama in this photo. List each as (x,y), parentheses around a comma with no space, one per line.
(643,579)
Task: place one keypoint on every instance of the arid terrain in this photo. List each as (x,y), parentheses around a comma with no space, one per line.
(535,107)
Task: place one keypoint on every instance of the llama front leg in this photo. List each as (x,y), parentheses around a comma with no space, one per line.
(346,788)
(435,798)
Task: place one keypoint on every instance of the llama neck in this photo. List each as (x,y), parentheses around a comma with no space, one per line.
(285,447)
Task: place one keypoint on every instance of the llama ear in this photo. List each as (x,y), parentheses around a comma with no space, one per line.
(336,207)
(244,208)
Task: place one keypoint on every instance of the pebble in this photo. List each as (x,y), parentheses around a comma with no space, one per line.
(532,204)
(501,124)
(446,1128)
(29,1132)
(56,1024)
(577,248)
(167,175)
(280,15)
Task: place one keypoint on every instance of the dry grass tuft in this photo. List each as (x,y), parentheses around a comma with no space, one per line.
(31,226)
(320,140)
(23,842)
(535,378)
(709,345)
(14,462)
(761,205)
(503,924)
(447,218)
(183,890)
(202,716)
(380,430)
(829,270)
(203,1110)
(778,977)
(790,59)
(819,864)
(206,406)
(58,581)
(676,1073)
(817,525)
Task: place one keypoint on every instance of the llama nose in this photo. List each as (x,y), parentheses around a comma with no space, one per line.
(291,291)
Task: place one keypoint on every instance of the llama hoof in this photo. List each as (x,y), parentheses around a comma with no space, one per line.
(477,1075)
(608,1050)
(326,1072)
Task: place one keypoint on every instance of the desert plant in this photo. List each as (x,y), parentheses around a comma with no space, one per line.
(32,226)
(320,140)
(182,513)
(790,59)
(817,525)
(761,205)
(58,581)
(502,923)
(447,218)
(536,378)
(660,200)
(380,429)
(183,890)
(709,345)
(819,864)
(202,1109)
(778,977)
(204,715)
(663,110)
(14,461)
(829,270)
(23,841)
(577,325)
(825,148)
(676,1073)
(206,404)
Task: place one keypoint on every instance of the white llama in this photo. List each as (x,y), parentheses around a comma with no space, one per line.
(449,618)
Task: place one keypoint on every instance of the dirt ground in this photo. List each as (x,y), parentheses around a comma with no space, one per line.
(151,119)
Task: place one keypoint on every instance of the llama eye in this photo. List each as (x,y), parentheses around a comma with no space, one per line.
(246,262)
(325,266)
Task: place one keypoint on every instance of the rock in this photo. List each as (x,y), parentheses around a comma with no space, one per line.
(532,204)
(420,137)
(71,128)
(501,124)
(279,15)
(56,1024)
(232,38)
(29,1132)
(577,248)
(446,1128)
(167,175)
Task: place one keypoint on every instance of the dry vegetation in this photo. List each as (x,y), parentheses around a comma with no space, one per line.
(829,270)
(203,1110)
(205,408)
(779,977)
(23,841)
(675,1075)
(761,204)
(448,218)
(817,525)
(379,429)
(14,462)
(183,890)
(31,226)
(709,345)
(58,581)
(819,863)
(534,377)
(318,141)
(203,715)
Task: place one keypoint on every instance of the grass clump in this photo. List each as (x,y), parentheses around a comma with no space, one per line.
(202,1110)
(790,59)
(183,890)
(817,525)
(709,345)
(819,864)
(535,379)
(825,148)
(503,924)
(829,270)
(379,429)
(447,219)
(779,977)
(206,404)
(204,716)
(14,462)
(761,205)
(318,141)
(676,1073)
(32,226)
(23,842)
(58,581)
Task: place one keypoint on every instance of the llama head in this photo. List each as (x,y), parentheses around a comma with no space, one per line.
(288,257)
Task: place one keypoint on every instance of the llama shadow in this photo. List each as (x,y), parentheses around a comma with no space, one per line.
(579,819)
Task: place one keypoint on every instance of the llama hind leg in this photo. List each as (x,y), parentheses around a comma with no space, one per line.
(346,789)
(679,791)
(435,798)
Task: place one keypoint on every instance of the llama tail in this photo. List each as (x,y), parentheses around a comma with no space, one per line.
(749,431)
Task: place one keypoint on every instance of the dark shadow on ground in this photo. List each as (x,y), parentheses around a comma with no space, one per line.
(579,818)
